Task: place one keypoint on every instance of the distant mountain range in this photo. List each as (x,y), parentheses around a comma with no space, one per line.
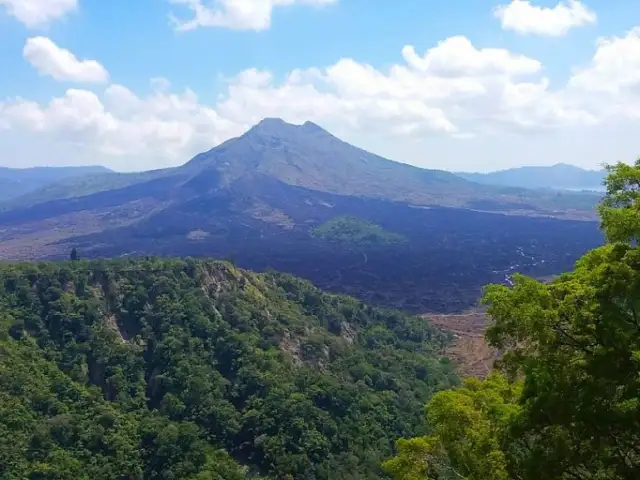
(310,157)
(560,177)
(261,199)
(16,182)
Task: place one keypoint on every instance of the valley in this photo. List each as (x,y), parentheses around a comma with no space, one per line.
(347,297)
(277,198)
(319,240)
(468,350)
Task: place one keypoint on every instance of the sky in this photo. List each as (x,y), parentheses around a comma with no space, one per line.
(461,85)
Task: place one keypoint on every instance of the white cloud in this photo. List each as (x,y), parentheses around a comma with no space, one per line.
(61,64)
(480,93)
(477,90)
(457,56)
(612,78)
(234,14)
(523,17)
(38,13)
(615,67)
(121,123)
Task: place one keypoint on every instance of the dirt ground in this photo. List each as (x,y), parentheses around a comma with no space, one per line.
(469,350)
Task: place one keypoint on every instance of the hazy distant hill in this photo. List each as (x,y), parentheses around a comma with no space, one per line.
(559,177)
(15,182)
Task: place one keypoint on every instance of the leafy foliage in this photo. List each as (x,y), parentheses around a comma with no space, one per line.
(356,232)
(52,427)
(575,345)
(157,368)
(468,437)
(620,210)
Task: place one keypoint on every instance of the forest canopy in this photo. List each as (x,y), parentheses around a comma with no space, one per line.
(352,231)
(189,369)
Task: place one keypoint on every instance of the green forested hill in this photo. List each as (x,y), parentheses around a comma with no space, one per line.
(192,369)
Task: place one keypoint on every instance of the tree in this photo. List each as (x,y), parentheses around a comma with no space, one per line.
(74,255)
(575,346)
(469,427)
(577,343)
(620,209)
(157,368)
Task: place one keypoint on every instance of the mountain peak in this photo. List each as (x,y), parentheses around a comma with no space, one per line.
(272,122)
(278,127)
(566,166)
(272,127)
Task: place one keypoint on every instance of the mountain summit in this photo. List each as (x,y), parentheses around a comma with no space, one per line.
(309,156)
(280,128)
(278,125)
(274,152)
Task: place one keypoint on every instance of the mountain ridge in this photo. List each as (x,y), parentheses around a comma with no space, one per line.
(17,182)
(561,176)
(308,156)
(258,199)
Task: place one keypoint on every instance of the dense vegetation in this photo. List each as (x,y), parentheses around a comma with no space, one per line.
(355,232)
(167,369)
(565,404)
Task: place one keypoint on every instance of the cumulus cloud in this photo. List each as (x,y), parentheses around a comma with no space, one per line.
(612,78)
(37,13)
(121,123)
(615,67)
(457,56)
(233,14)
(525,18)
(478,92)
(61,64)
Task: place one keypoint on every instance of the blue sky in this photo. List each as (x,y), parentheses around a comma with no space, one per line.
(491,84)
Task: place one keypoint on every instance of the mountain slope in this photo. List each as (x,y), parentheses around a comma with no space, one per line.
(16,182)
(445,258)
(146,369)
(560,176)
(310,157)
(258,199)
